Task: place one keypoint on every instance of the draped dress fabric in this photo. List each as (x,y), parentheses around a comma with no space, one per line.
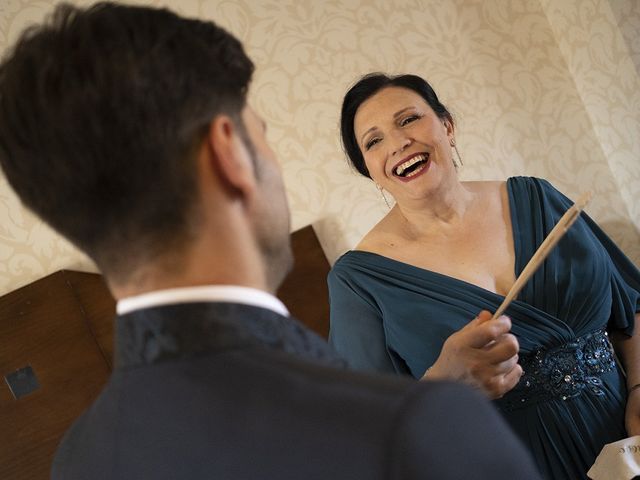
(389,316)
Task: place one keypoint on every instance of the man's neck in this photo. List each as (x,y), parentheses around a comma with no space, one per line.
(204,263)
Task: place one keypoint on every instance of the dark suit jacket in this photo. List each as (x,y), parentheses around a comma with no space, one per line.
(229,391)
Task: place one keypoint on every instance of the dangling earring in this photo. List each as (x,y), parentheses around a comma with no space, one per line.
(455,148)
(383,196)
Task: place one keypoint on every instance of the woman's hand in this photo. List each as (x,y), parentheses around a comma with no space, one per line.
(482,354)
(632,413)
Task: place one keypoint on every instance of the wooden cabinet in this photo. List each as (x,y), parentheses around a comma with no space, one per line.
(62,328)
(48,326)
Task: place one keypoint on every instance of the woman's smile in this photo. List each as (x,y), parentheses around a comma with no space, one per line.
(413,166)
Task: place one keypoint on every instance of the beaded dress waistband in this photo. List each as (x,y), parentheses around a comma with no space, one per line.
(562,372)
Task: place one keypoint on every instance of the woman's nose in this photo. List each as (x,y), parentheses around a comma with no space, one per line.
(400,143)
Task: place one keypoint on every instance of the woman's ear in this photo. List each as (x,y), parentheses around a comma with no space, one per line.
(229,156)
(448,124)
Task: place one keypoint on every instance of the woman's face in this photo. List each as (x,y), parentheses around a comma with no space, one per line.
(405,146)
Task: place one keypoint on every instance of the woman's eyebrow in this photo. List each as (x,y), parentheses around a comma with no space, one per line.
(400,112)
(366,133)
(395,115)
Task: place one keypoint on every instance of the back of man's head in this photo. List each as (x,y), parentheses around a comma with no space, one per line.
(101,111)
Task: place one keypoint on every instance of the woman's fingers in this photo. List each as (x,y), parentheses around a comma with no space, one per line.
(507,382)
(484,354)
(505,366)
(483,333)
(504,347)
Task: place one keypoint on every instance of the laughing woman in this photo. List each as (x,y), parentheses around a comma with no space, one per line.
(402,300)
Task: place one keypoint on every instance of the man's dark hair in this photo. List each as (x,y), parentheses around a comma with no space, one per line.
(366,87)
(101,110)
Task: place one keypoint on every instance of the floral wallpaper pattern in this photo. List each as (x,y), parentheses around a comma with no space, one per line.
(537,87)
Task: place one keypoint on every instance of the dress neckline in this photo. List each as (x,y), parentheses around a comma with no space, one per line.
(423,271)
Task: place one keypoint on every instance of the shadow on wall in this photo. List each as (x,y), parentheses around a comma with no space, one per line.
(332,237)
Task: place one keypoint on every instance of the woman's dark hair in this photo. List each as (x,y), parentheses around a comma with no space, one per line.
(365,88)
(101,110)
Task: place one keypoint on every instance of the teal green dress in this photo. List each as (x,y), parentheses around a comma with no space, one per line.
(389,316)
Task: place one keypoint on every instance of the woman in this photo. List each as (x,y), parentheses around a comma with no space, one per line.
(402,300)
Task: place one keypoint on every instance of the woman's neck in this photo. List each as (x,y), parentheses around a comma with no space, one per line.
(440,211)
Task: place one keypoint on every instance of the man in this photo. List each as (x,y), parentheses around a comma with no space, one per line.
(127,130)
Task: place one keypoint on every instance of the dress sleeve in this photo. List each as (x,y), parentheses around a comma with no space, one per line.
(356,331)
(625,282)
(625,276)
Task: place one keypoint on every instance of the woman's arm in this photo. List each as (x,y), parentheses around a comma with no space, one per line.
(356,331)
(628,349)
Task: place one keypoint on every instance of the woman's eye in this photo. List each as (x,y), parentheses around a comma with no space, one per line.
(371,143)
(409,119)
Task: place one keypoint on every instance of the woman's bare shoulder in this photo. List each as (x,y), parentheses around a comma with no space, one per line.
(485,186)
(380,238)
(492,191)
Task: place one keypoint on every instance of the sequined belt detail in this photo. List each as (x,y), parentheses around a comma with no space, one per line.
(562,372)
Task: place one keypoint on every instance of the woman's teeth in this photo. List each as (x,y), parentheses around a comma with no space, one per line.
(408,168)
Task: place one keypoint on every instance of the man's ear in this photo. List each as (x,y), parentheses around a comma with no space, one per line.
(229,155)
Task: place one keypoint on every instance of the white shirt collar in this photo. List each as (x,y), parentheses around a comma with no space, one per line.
(209,293)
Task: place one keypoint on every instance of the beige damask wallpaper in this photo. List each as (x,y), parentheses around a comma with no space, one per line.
(548,88)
